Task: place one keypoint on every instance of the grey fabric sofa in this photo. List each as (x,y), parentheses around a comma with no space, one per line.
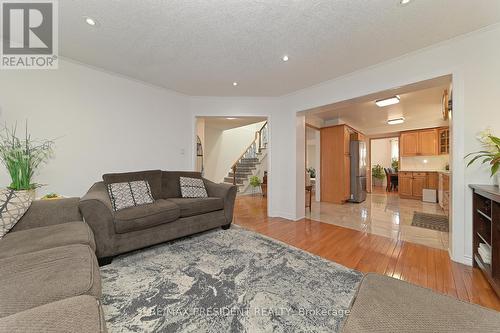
(49,276)
(168,218)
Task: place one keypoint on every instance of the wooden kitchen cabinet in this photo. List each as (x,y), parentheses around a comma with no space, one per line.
(444,141)
(409,144)
(419,182)
(405,185)
(420,143)
(428,142)
(432,180)
(336,163)
(412,184)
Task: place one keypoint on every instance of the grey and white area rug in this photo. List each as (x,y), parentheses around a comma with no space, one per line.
(226,281)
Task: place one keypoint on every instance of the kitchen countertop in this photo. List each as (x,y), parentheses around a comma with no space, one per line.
(447,172)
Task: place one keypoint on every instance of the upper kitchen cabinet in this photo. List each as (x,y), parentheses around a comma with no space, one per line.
(409,144)
(420,143)
(444,141)
(428,142)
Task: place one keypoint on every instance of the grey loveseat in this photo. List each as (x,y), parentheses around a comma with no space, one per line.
(49,277)
(168,218)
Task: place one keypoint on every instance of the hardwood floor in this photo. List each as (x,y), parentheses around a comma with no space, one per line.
(418,264)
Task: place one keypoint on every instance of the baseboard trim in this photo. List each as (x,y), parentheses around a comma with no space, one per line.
(285,216)
(465,260)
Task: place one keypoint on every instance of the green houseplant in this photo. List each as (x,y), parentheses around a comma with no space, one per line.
(23,156)
(378,175)
(312,172)
(395,164)
(490,154)
(254,182)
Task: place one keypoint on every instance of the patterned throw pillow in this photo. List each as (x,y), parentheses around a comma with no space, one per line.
(13,205)
(192,188)
(130,194)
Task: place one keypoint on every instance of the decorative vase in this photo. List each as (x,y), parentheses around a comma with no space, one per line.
(13,205)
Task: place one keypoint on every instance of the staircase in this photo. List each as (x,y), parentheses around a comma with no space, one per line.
(249,163)
(244,170)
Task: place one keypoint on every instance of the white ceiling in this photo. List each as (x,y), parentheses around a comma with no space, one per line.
(420,105)
(200,47)
(223,123)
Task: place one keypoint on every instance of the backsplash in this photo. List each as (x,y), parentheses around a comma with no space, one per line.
(424,163)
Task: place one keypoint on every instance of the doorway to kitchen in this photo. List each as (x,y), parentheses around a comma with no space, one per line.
(405,178)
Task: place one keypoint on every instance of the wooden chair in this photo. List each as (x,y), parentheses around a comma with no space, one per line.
(388,177)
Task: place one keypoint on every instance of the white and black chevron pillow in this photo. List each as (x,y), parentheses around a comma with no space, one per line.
(192,188)
(129,194)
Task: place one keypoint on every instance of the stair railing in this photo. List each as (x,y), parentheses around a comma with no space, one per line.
(259,142)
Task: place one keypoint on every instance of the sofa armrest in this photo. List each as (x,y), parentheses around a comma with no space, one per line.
(226,192)
(49,212)
(98,213)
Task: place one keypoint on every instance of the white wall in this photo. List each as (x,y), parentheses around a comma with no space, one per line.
(381,154)
(102,123)
(473,61)
(224,147)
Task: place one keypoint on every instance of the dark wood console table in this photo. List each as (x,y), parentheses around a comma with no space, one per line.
(486,230)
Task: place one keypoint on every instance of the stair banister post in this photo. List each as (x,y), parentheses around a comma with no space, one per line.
(234,173)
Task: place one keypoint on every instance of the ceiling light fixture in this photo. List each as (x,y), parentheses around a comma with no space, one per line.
(90,21)
(285,58)
(387,101)
(396,121)
(235,84)
(404,2)
(230,118)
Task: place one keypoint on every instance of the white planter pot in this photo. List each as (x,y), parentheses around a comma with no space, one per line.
(497,175)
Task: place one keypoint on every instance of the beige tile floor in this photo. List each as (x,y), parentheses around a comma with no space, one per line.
(384,215)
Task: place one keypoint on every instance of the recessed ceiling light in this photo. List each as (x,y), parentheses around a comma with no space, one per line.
(387,101)
(396,121)
(235,84)
(230,118)
(90,21)
(404,2)
(285,58)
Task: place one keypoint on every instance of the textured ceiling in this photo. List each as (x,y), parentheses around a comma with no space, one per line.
(420,106)
(200,47)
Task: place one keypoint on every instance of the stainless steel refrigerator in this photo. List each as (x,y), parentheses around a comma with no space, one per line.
(358,171)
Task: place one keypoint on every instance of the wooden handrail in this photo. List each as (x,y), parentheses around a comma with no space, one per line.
(258,135)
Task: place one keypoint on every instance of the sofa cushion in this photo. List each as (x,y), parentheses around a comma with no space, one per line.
(153,177)
(170,184)
(197,206)
(129,194)
(13,205)
(384,304)
(38,278)
(80,314)
(43,238)
(192,187)
(146,216)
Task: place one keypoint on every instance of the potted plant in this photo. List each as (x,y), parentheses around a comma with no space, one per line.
(312,172)
(489,155)
(22,157)
(395,164)
(254,182)
(378,175)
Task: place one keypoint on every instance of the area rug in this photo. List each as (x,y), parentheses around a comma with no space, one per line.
(226,281)
(430,221)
